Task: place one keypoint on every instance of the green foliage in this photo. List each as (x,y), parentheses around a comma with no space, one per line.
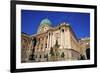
(62,55)
(51,52)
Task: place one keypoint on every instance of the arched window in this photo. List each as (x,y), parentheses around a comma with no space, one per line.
(62,30)
(88,53)
(59,28)
(34,41)
(40,56)
(46,45)
(49,34)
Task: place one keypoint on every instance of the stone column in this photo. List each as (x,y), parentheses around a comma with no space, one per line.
(53,40)
(61,40)
(50,40)
(47,41)
(64,38)
(44,44)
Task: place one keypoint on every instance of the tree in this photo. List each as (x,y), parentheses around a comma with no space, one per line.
(62,55)
(32,57)
(82,57)
(52,54)
(51,51)
(55,52)
(46,56)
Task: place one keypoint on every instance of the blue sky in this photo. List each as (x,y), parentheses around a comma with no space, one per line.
(80,22)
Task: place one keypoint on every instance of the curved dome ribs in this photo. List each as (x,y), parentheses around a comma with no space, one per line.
(45,21)
(45,25)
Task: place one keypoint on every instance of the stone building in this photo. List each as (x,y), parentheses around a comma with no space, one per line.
(51,44)
(85,46)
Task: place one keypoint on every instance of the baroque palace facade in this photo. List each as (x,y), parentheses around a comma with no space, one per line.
(53,44)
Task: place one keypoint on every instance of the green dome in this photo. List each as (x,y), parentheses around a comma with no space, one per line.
(45,22)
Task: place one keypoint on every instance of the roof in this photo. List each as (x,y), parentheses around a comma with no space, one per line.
(45,21)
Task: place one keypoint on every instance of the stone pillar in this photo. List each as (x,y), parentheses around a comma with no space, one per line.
(64,38)
(44,44)
(47,41)
(61,39)
(53,40)
(50,41)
